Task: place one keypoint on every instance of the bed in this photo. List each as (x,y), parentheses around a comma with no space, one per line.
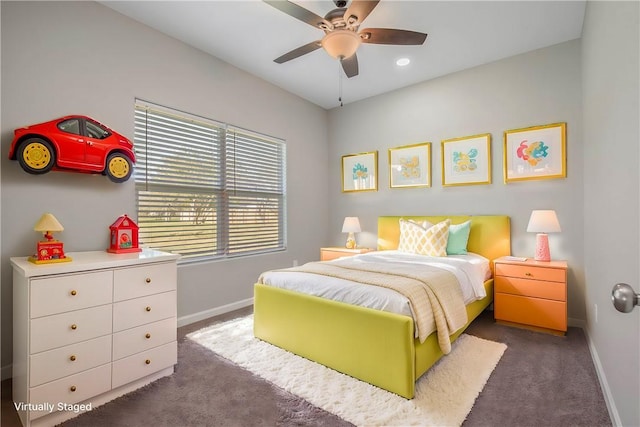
(375,346)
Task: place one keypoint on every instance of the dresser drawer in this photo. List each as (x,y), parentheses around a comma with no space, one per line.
(145,363)
(68,328)
(531,272)
(72,389)
(72,359)
(68,292)
(144,337)
(533,288)
(140,311)
(141,281)
(531,311)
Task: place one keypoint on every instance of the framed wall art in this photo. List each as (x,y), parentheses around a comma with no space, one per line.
(537,152)
(466,160)
(410,166)
(360,172)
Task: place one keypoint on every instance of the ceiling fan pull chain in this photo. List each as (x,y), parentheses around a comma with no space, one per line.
(340,83)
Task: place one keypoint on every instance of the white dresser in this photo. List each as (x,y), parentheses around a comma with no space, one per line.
(90,330)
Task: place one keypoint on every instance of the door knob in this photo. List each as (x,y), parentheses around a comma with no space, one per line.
(624,298)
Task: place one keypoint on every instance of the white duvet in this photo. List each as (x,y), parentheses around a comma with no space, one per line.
(471,270)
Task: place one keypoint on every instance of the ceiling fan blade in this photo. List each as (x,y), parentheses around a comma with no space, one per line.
(302,50)
(350,65)
(360,9)
(300,13)
(391,36)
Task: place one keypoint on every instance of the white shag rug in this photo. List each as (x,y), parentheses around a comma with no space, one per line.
(444,395)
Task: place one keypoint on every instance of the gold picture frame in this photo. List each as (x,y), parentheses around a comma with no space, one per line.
(466,160)
(536,152)
(410,166)
(360,172)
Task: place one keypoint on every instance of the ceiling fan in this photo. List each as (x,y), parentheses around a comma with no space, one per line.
(342,37)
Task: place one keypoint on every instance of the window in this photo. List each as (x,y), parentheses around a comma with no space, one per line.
(70,126)
(94,130)
(205,189)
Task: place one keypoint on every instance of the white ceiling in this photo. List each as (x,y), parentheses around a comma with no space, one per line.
(250,34)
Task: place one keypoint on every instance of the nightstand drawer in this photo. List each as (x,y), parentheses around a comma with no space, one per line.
(531,288)
(68,328)
(531,311)
(531,272)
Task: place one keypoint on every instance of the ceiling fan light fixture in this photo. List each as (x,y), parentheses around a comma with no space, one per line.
(341,44)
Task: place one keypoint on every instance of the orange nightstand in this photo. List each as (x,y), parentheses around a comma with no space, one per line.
(327,254)
(531,293)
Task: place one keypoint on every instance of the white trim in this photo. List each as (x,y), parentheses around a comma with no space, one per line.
(578,323)
(216,311)
(604,385)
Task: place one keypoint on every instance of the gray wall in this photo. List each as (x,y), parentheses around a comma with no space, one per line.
(536,88)
(611,92)
(82,58)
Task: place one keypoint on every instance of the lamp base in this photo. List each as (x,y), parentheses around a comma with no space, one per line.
(351,241)
(542,247)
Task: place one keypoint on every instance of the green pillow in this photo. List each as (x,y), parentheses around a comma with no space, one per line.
(458,238)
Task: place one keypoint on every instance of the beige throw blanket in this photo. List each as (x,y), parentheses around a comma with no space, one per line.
(434,294)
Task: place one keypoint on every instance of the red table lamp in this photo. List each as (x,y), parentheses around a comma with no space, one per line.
(49,250)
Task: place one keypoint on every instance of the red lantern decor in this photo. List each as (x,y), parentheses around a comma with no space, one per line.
(124,236)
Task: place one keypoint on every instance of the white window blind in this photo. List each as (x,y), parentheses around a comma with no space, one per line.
(205,189)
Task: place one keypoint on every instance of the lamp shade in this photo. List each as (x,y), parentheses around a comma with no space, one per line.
(341,44)
(543,221)
(351,225)
(48,222)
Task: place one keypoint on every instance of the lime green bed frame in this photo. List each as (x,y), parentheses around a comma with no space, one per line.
(372,345)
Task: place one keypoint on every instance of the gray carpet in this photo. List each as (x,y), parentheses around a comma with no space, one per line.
(542,380)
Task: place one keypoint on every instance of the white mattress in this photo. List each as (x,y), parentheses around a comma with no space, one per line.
(471,270)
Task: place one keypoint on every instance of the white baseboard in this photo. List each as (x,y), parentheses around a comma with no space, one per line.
(578,323)
(604,385)
(195,317)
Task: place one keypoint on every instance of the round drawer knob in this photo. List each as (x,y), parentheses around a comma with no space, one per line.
(148,280)
(72,358)
(148,362)
(528,274)
(74,292)
(147,335)
(72,388)
(74,326)
(148,308)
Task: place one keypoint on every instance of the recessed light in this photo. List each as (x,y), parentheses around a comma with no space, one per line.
(402,62)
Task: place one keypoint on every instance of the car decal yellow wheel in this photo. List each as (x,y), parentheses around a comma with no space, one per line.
(118,167)
(36,155)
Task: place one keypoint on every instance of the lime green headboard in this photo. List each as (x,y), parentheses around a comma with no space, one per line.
(490,235)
